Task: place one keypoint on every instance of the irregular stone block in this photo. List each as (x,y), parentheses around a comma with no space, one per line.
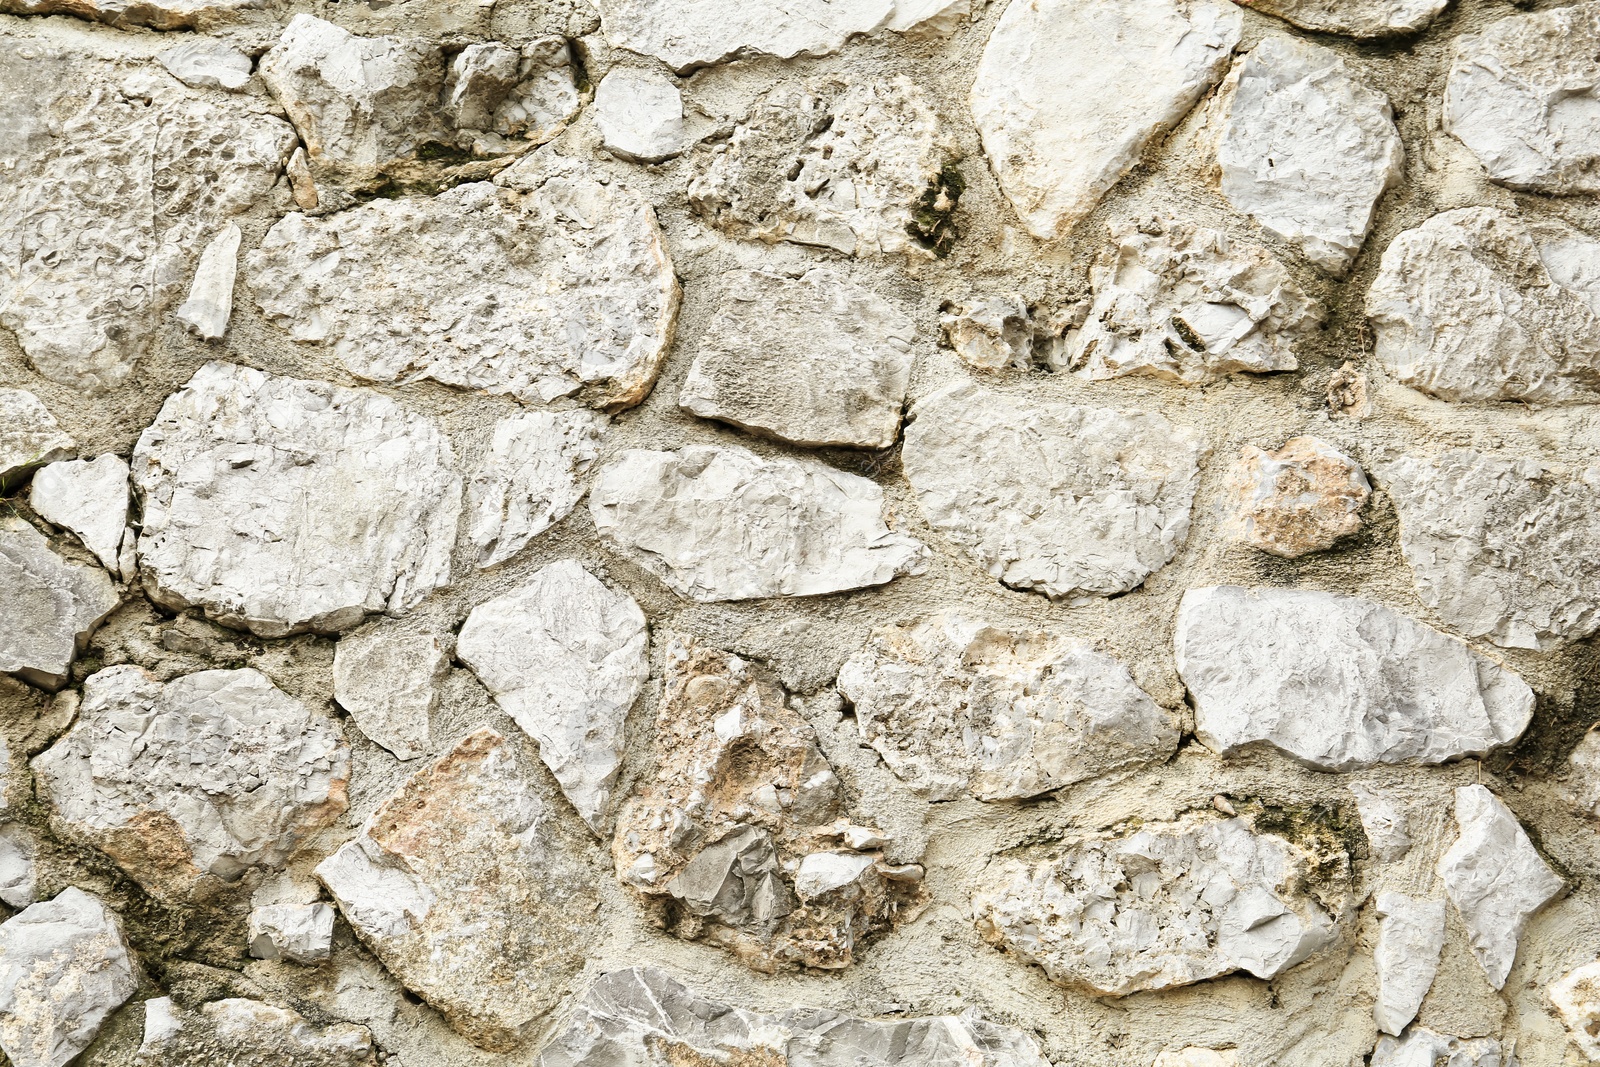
(1300,499)
(1410,938)
(302,933)
(1576,995)
(210,302)
(1582,789)
(247,1031)
(531,94)
(18,868)
(1070,93)
(814,360)
(721,523)
(29,437)
(1073,502)
(956,706)
(205,63)
(51,606)
(1424,1048)
(389,683)
(531,479)
(1383,820)
(89,498)
(1338,682)
(640,115)
(156,14)
(990,332)
(1353,18)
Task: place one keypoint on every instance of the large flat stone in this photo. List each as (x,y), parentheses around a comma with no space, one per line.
(29,437)
(51,606)
(1353,18)
(533,475)
(247,1032)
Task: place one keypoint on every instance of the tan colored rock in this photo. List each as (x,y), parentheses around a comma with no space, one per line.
(1353,18)
(156,14)
(30,437)
(1582,788)
(1299,499)
(989,332)
(389,683)
(50,607)
(1576,995)
(1347,393)
(247,1032)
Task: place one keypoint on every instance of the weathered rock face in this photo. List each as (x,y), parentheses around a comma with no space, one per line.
(471,891)
(1521,97)
(156,14)
(531,478)
(29,437)
(247,1032)
(1184,303)
(731,836)
(1169,905)
(1476,304)
(1073,502)
(1410,938)
(724,524)
(206,63)
(280,505)
(1582,789)
(389,683)
(18,866)
(1576,996)
(494,89)
(89,498)
(1338,682)
(1070,93)
(1354,18)
(194,780)
(814,360)
(1198,1057)
(1499,546)
(1424,1048)
(1384,821)
(299,932)
(64,968)
(210,302)
(990,332)
(957,706)
(565,656)
(1300,499)
(51,606)
(640,115)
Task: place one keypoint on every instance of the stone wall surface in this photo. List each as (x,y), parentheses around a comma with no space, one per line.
(799,533)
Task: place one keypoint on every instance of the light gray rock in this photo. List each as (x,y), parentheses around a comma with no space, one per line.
(64,968)
(89,498)
(1522,94)
(815,360)
(1353,18)
(247,1032)
(532,477)
(206,63)
(1410,938)
(531,94)
(566,657)
(1069,93)
(1477,304)
(1582,788)
(302,933)
(640,115)
(1168,905)
(210,303)
(1495,878)
(552,282)
(1073,502)
(29,437)
(18,866)
(194,780)
(51,606)
(1194,1056)
(990,332)
(1384,821)
(1299,499)
(156,14)
(929,18)
(280,505)
(721,523)
(1498,546)
(1185,303)
(1425,1048)
(1576,995)
(480,76)
(956,706)
(1338,682)
(389,683)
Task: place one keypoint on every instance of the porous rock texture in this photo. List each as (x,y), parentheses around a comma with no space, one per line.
(1297,499)
(247,1032)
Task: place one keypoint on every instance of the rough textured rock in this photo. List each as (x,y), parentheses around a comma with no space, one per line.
(1073,502)
(814,360)
(1184,303)
(1168,905)
(1338,682)
(1306,149)
(1498,546)
(472,893)
(51,606)
(18,866)
(1354,18)
(724,524)
(856,166)
(29,437)
(493,88)
(64,968)
(1384,821)
(389,683)
(1425,1048)
(299,932)
(550,283)
(1582,789)
(206,63)
(156,14)
(990,332)
(247,1032)
(210,303)
(1198,1057)
(1521,96)
(279,505)
(89,498)
(531,478)
(1576,996)
(566,657)
(1299,499)
(1410,938)
(1496,879)
(728,836)
(956,706)
(193,780)
(640,115)
(1476,304)
(1070,93)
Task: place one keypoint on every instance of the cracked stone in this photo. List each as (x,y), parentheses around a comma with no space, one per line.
(302,933)
(156,14)
(51,606)
(640,115)
(1300,499)
(1353,18)
(1422,1047)
(89,498)
(247,1032)
(1410,939)
(532,477)
(30,437)
(389,683)
(210,302)
(1576,995)
(204,63)
(531,94)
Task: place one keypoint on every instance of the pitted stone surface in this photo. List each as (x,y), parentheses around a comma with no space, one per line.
(1576,995)
(956,706)
(989,332)
(533,475)
(389,683)
(29,437)
(51,606)
(299,932)
(1410,938)
(19,853)
(1299,499)
(640,115)
(88,497)
(1338,682)
(247,1032)
(1426,1048)
(156,14)
(531,94)
(1354,18)
(1073,502)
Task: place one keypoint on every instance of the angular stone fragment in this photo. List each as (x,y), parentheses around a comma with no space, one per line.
(1496,879)
(640,115)
(1425,1048)
(247,1032)
(1184,303)
(1169,905)
(815,360)
(64,968)
(389,683)
(531,479)
(1522,96)
(1576,995)
(956,706)
(565,656)
(1501,547)
(280,505)
(727,838)
(1353,18)
(560,289)
(299,932)
(18,875)
(724,524)
(210,302)
(205,63)
(1476,304)
(29,437)
(1410,938)
(990,332)
(301,183)
(837,163)
(50,607)
(194,780)
(1338,682)
(1069,93)
(1073,502)
(156,14)
(1383,820)
(1300,499)
(472,891)
(496,89)
(88,497)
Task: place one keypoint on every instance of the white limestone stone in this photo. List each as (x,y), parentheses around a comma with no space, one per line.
(50,607)
(18,866)
(1198,1057)
(566,657)
(956,706)
(280,505)
(531,94)
(1582,788)
(302,933)
(89,498)
(247,1032)
(1069,94)
(1185,303)
(640,115)
(210,303)
(1576,995)
(1410,939)
(1338,682)
(29,437)
(814,360)
(1299,499)
(990,332)
(1384,821)
(1353,18)
(721,523)
(389,683)
(1074,502)
(1425,1048)
(156,14)
(533,475)
(929,18)
(1495,878)
(207,63)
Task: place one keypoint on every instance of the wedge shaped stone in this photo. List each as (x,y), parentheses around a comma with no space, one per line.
(210,304)
(247,1031)
(29,437)
(89,498)
(389,683)
(1410,938)
(532,477)
(51,606)
(1353,18)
